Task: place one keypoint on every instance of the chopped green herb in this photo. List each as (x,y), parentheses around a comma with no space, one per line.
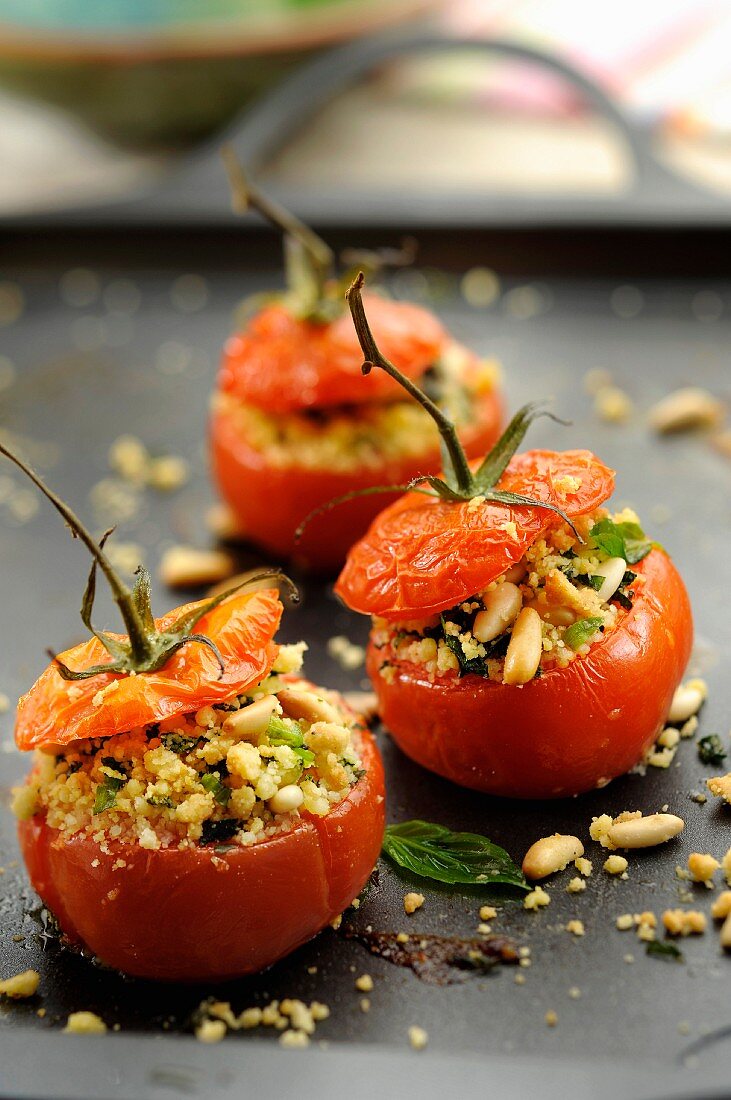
(212,783)
(279,733)
(435,852)
(161,800)
(621,540)
(664,949)
(175,742)
(711,750)
(215,831)
(581,632)
(106,793)
(225,706)
(592,582)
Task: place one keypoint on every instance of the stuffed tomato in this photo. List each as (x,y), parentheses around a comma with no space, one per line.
(526,641)
(294,425)
(196,810)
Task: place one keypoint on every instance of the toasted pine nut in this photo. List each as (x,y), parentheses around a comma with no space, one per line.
(684,409)
(188,567)
(558,616)
(286,799)
(502,605)
(251,722)
(516,573)
(551,854)
(303,704)
(613,569)
(525,648)
(687,701)
(726,933)
(644,832)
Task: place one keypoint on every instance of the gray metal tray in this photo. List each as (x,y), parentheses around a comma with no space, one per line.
(645,1029)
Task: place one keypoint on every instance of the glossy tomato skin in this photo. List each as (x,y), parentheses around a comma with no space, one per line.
(569,731)
(270,502)
(202,915)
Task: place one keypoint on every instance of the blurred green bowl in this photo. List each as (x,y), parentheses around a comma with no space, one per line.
(170,72)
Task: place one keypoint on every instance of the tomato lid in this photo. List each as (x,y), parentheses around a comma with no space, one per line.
(57,711)
(282,363)
(423,554)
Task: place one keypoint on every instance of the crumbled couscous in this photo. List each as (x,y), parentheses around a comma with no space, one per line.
(488,912)
(584,866)
(575,927)
(350,437)
(551,1018)
(615,865)
(85,1023)
(538,898)
(20,986)
(684,922)
(412,902)
(562,579)
(720,786)
(295,1020)
(364,984)
(721,907)
(702,867)
(418,1038)
(236,772)
(576,885)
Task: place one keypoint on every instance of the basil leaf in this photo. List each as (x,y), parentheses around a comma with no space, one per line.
(579,633)
(106,793)
(591,582)
(279,733)
(223,829)
(621,540)
(711,750)
(161,800)
(664,949)
(435,852)
(211,783)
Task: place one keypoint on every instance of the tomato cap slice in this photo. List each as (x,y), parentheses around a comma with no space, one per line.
(423,555)
(282,364)
(57,712)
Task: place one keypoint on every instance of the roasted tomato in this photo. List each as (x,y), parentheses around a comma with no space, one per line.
(294,424)
(525,641)
(188,785)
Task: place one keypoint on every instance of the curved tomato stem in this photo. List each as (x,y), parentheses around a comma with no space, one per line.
(309,261)
(456,463)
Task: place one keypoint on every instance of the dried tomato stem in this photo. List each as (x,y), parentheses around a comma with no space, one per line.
(246,196)
(139,640)
(460,467)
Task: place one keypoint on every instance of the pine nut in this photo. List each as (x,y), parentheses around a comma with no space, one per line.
(303,704)
(251,722)
(687,701)
(502,605)
(644,832)
(516,573)
(551,854)
(612,570)
(188,567)
(684,409)
(726,933)
(525,648)
(286,799)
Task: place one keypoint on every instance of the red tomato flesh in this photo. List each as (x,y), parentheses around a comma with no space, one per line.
(569,731)
(206,915)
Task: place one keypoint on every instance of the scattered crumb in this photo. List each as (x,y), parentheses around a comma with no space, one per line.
(538,898)
(683,1027)
(210,1031)
(487,912)
(574,993)
(624,922)
(418,1037)
(690,727)
(294,1040)
(721,906)
(720,786)
(412,902)
(85,1023)
(364,983)
(629,958)
(20,986)
(576,885)
(684,922)
(484,929)
(551,1018)
(615,865)
(402,937)
(519,978)
(365,1004)
(336,922)
(702,867)
(584,866)
(575,927)
(613,405)
(4,703)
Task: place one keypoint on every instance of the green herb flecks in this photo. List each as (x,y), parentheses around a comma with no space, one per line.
(212,783)
(581,632)
(162,801)
(664,949)
(221,830)
(459,484)
(711,750)
(177,743)
(146,648)
(590,582)
(435,852)
(280,733)
(621,540)
(105,797)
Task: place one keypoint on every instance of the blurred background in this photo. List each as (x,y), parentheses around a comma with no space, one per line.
(107,104)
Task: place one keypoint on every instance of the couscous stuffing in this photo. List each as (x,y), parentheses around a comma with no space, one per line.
(579,591)
(236,773)
(20,986)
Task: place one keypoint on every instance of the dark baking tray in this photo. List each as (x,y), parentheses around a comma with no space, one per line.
(647,1029)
